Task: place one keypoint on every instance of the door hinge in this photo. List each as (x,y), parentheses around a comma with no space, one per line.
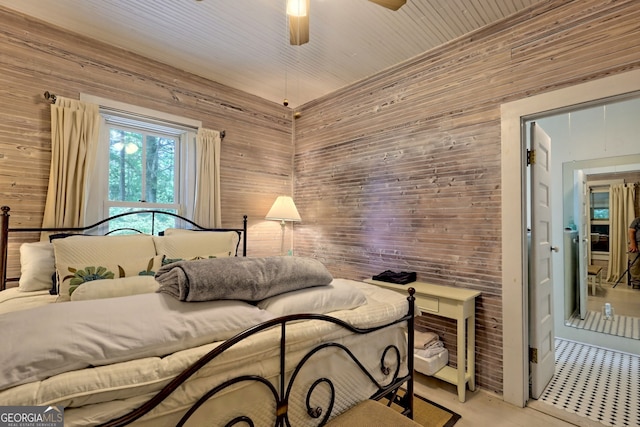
(531,157)
(533,355)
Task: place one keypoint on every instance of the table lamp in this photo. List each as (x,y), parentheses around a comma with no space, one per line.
(283,210)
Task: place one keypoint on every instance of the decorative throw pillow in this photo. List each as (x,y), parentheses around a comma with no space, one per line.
(73,276)
(37,266)
(98,289)
(82,249)
(191,244)
(166,260)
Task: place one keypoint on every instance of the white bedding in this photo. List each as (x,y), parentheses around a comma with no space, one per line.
(13,299)
(101,393)
(106,331)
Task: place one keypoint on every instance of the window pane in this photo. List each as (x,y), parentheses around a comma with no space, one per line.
(141,222)
(160,169)
(600,205)
(125,165)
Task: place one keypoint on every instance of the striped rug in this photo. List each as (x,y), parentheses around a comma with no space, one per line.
(622,326)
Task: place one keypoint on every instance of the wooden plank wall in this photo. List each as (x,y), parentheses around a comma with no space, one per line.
(402,171)
(36,57)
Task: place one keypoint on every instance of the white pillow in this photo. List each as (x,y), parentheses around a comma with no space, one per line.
(132,285)
(37,265)
(73,276)
(74,249)
(338,295)
(196,244)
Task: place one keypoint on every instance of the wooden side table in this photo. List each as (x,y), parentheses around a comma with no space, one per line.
(453,303)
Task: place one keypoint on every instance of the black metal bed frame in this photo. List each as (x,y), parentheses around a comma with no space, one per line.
(5,230)
(282,394)
(389,359)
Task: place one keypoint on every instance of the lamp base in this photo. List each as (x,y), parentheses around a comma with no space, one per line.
(282,225)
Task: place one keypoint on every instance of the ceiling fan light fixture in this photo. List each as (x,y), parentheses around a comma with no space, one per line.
(298,25)
(298,15)
(297,8)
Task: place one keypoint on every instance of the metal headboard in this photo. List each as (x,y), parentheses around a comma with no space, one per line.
(5,230)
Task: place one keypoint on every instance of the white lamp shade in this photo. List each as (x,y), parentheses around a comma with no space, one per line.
(283,209)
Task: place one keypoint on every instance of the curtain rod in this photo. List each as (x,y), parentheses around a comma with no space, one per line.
(52,98)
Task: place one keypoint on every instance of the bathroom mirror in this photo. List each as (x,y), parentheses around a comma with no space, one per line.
(601,142)
(603,288)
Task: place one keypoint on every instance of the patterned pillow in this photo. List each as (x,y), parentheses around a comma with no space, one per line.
(70,277)
(168,260)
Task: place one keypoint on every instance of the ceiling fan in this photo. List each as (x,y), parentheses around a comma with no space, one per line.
(298,14)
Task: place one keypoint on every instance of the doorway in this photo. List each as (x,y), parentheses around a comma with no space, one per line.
(514,262)
(584,375)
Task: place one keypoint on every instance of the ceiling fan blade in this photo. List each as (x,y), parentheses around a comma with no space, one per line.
(299,28)
(390,4)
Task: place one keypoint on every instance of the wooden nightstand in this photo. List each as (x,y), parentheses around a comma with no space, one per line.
(453,303)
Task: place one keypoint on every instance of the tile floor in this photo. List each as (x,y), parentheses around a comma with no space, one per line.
(592,387)
(619,325)
(600,384)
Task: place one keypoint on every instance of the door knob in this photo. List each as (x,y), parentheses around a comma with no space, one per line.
(555,249)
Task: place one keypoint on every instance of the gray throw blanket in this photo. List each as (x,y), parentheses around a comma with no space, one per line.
(240,278)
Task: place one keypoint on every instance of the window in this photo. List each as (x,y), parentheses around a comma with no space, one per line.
(146,161)
(599,215)
(599,218)
(142,170)
(600,205)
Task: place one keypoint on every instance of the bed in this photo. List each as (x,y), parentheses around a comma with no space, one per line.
(299,349)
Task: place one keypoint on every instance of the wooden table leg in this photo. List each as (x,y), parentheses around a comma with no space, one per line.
(462,355)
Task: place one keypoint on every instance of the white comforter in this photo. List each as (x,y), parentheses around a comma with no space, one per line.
(99,332)
(101,393)
(13,299)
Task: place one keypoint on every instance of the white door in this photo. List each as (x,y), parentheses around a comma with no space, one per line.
(582,222)
(541,335)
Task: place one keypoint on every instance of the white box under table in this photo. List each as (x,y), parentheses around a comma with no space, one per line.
(453,303)
(430,365)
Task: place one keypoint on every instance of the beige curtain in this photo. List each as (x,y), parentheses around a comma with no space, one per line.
(621,213)
(74,144)
(207,204)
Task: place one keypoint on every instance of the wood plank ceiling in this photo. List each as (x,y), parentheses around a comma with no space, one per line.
(244,43)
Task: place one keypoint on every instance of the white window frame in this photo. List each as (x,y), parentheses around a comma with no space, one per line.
(603,186)
(98,205)
(178,137)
